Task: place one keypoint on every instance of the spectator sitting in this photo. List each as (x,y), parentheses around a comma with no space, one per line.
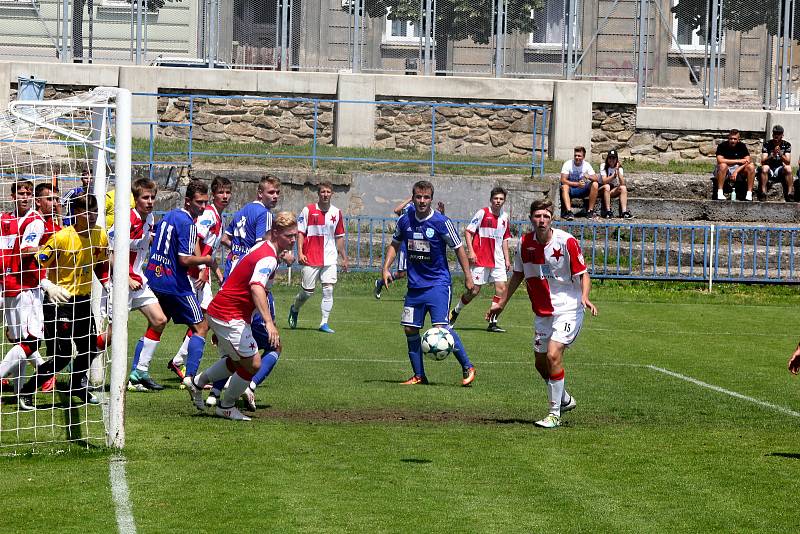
(733,158)
(612,185)
(776,165)
(578,180)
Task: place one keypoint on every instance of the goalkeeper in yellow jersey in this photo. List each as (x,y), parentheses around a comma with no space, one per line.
(71,255)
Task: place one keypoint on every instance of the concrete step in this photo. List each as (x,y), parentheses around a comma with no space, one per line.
(719,211)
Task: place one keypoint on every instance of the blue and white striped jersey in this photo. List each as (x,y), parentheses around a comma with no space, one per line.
(426,243)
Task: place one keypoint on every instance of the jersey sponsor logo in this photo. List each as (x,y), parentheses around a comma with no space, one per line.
(415,235)
(31,238)
(265,270)
(301,218)
(429,233)
(206,222)
(475,221)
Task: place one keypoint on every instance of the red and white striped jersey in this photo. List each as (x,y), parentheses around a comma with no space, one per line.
(489,233)
(552,272)
(320,228)
(24,272)
(141,233)
(234,300)
(8,238)
(209,234)
(51,226)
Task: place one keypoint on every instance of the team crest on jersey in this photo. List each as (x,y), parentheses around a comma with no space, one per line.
(159,272)
(429,233)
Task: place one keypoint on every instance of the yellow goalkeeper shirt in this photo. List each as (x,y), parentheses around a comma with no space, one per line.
(70,258)
(110,207)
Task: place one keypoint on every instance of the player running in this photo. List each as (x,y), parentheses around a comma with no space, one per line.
(230,313)
(427,234)
(172,254)
(320,236)
(209,235)
(552,265)
(141,297)
(487,251)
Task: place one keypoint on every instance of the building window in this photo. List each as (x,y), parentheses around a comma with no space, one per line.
(549,23)
(688,38)
(401,30)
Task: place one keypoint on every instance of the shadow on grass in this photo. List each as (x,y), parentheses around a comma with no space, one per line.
(415,461)
(791,455)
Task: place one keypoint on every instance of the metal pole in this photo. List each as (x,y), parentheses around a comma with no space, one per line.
(499,38)
(786,44)
(357,36)
(640,74)
(213,29)
(714,44)
(429,23)
(139,32)
(570,33)
(65,31)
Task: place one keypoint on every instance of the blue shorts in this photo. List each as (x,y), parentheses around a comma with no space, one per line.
(432,300)
(259,330)
(181,309)
(580,192)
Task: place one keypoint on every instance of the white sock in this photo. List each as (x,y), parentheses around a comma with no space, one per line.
(218,371)
(11,359)
(555,391)
(180,356)
(36,359)
(302,296)
(148,349)
(235,388)
(19,376)
(720,195)
(749,195)
(566,397)
(327,303)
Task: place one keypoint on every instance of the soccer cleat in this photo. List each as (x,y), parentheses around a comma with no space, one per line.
(143,378)
(135,386)
(469,376)
(180,371)
(550,421)
(231,413)
(628,215)
(25,403)
(378,289)
(249,398)
(453,317)
(415,380)
(496,329)
(292,317)
(327,329)
(49,386)
(570,405)
(195,393)
(213,399)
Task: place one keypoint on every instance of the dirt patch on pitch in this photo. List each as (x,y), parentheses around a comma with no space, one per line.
(383,416)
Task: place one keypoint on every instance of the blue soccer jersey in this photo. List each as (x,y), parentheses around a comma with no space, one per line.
(426,243)
(247,227)
(175,235)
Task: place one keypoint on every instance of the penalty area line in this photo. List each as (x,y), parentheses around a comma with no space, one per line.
(121,495)
(719,389)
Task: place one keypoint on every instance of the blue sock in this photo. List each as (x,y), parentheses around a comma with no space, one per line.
(415,353)
(268,361)
(219,385)
(136,353)
(459,351)
(195,354)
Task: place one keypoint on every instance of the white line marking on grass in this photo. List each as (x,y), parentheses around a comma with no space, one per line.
(482,362)
(121,495)
(718,389)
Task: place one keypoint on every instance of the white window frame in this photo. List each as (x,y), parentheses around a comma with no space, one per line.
(409,38)
(556,45)
(697,44)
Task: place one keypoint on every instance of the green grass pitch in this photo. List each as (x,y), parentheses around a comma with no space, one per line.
(338,445)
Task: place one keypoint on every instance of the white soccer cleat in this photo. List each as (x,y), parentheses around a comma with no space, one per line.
(249,397)
(231,413)
(195,393)
(570,405)
(550,421)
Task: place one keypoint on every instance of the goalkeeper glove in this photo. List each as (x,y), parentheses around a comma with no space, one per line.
(56,294)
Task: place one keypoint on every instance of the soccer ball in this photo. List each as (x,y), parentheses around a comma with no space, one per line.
(437,343)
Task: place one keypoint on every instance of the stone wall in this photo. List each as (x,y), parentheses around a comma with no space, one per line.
(614,127)
(277,122)
(472,131)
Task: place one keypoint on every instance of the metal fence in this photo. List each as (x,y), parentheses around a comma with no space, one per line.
(740,53)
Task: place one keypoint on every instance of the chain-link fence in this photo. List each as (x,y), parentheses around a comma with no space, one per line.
(716,53)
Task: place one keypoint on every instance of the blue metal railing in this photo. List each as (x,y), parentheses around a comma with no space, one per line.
(155,157)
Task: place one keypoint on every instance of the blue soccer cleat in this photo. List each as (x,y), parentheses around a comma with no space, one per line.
(327,329)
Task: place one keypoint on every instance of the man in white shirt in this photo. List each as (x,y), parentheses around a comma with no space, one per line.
(578,180)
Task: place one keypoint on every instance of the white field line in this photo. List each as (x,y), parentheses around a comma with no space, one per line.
(121,495)
(404,361)
(718,389)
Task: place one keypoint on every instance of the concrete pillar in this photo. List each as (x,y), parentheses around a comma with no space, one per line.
(571,120)
(790,120)
(145,108)
(355,123)
(5,84)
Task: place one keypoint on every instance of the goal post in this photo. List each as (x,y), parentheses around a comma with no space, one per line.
(56,142)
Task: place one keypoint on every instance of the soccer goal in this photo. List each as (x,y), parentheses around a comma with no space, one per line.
(54,156)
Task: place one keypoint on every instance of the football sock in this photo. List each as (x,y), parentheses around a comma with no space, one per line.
(219,385)
(179,359)
(137,353)
(149,344)
(235,389)
(327,303)
(555,391)
(219,372)
(19,376)
(268,361)
(460,304)
(302,296)
(459,351)
(195,354)
(566,397)
(181,354)
(11,360)
(36,359)
(415,353)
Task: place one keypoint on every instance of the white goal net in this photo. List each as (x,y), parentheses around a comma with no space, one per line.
(62,361)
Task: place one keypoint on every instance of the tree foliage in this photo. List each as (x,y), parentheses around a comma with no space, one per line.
(460,19)
(737,15)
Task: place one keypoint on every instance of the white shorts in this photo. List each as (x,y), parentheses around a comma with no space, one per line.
(309,275)
(562,328)
(141,298)
(234,338)
(486,275)
(24,316)
(203,295)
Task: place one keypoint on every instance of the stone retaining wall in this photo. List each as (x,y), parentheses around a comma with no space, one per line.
(614,127)
(471,131)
